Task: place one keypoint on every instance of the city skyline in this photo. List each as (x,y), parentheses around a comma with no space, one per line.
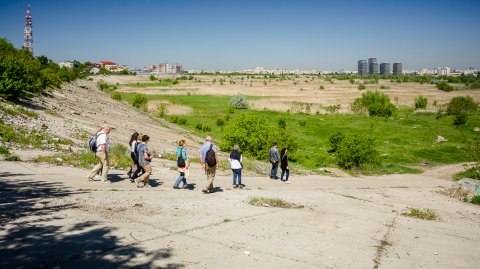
(214,35)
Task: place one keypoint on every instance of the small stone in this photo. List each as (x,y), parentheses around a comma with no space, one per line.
(59,160)
(476,129)
(441,139)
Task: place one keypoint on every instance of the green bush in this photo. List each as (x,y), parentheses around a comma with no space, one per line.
(140,101)
(361,87)
(152,78)
(322,87)
(254,136)
(238,102)
(376,103)
(421,102)
(162,110)
(460,119)
(335,140)
(220,122)
(117,96)
(476,200)
(203,127)
(302,123)
(444,86)
(357,151)
(282,123)
(461,105)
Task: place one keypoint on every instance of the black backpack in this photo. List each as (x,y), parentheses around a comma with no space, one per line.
(210,157)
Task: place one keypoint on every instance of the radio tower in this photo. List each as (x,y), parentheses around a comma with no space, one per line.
(27,33)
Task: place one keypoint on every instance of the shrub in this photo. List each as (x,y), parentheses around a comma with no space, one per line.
(476,200)
(376,103)
(140,101)
(460,119)
(220,122)
(203,127)
(335,140)
(117,96)
(361,87)
(238,102)
(322,87)
(444,86)
(356,151)
(254,136)
(302,123)
(282,123)
(162,110)
(421,102)
(385,87)
(152,77)
(461,105)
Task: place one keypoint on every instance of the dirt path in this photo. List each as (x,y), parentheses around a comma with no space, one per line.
(51,216)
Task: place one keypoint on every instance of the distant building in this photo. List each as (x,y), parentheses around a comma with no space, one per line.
(362,67)
(372,66)
(397,68)
(66,64)
(443,71)
(112,67)
(385,68)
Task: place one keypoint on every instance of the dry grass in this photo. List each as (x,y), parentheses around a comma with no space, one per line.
(272,202)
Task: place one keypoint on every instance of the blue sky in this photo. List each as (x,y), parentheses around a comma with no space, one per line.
(236,35)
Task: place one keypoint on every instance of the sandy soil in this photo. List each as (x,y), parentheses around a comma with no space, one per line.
(52,217)
(55,218)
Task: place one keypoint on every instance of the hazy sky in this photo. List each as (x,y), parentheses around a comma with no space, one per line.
(236,35)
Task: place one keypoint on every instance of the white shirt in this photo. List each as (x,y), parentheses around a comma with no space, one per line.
(102,139)
(235,164)
(132,146)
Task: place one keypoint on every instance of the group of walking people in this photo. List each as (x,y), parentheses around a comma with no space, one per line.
(142,157)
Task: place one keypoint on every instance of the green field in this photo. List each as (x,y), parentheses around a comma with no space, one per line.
(407,139)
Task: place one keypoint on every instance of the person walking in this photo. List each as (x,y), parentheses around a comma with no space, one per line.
(274,158)
(235,160)
(144,159)
(103,146)
(133,144)
(209,162)
(284,165)
(183,164)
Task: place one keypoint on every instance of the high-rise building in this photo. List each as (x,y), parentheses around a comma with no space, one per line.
(372,66)
(384,68)
(397,68)
(362,67)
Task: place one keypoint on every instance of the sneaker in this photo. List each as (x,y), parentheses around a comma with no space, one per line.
(235,186)
(106,181)
(89,178)
(185,186)
(204,191)
(287,182)
(176,187)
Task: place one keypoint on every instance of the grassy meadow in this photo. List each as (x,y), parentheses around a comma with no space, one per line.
(408,139)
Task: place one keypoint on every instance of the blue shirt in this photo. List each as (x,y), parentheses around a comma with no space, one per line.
(183,151)
(205,148)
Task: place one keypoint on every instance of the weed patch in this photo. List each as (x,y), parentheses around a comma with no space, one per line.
(425,214)
(272,202)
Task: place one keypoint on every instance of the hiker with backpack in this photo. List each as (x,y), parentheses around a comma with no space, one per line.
(284,165)
(209,162)
(144,159)
(182,163)
(133,145)
(274,158)
(235,160)
(99,145)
